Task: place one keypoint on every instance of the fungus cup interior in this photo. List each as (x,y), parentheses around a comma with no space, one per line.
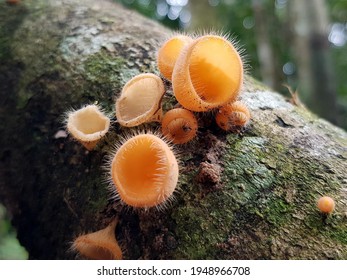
(140,100)
(215,70)
(88,123)
(145,171)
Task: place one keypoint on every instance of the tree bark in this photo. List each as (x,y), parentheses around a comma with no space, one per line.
(250,195)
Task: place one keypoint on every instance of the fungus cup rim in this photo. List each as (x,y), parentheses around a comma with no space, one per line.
(154,113)
(183,87)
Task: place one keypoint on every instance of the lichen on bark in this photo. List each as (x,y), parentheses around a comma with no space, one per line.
(250,195)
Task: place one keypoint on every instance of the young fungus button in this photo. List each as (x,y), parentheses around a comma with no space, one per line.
(145,171)
(140,100)
(326,204)
(88,125)
(99,245)
(168,54)
(179,125)
(232,115)
(208,74)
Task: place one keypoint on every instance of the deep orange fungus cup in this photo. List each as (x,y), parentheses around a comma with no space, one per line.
(144,171)
(208,74)
(179,125)
(233,115)
(169,52)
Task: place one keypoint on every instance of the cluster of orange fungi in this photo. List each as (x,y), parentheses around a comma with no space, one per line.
(206,75)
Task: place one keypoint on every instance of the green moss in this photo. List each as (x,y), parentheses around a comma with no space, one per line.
(14,18)
(104,73)
(201,228)
(278,211)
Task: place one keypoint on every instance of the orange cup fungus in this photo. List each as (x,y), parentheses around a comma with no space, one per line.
(169,52)
(232,115)
(140,100)
(208,74)
(88,125)
(326,204)
(179,125)
(99,245)
(145,171)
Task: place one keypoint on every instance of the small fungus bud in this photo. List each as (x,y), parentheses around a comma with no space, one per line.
(168,53)
(326,204)
(145,171)
(232,115)
(88,125)
(140,100)
(179,125)
(208,74)
(99,245)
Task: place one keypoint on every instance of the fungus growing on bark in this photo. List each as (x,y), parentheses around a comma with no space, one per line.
(232,115)
(87,125)
(326,204)
(208,74)
(99,245)
(169,52)
(179,125)
(144,171)
(140,100)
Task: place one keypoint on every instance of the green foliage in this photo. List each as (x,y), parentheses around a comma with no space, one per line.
(10,249)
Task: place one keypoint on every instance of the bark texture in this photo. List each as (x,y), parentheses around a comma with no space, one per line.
(250,195)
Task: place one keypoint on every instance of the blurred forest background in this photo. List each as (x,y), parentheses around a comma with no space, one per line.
(301,43)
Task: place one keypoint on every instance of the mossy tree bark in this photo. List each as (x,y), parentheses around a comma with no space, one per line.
(242,196)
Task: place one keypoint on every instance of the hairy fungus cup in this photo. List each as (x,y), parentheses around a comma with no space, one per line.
(232,115)
(140,100)
(99,245)
(179,125)
(208,74)
(88,125)
(144,171)
(169,52)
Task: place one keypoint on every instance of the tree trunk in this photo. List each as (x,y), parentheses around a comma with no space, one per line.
(250,195)
(310,24)
(265,49)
